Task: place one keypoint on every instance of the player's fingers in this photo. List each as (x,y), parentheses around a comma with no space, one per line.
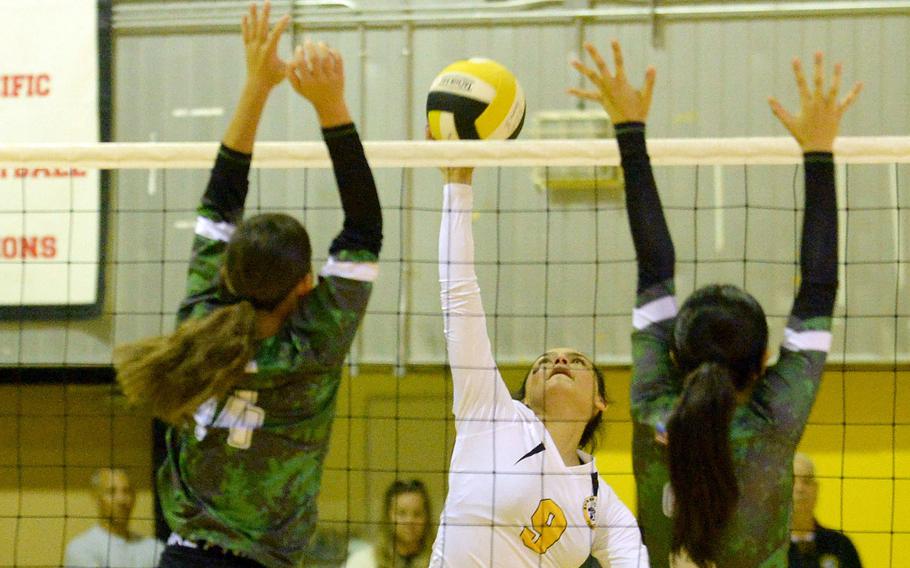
(254,21)
(584,94)
(618,61)
(648,91)
(781,113)
(301,65)
(598,60)
(293,68)
(819,74)
(264,20)
(835,83)
(850,98)
(800,79)
(588,72)
(275,35)
(312,57)
(326,61)
(337,61)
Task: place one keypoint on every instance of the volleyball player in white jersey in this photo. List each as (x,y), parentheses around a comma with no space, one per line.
(521,492)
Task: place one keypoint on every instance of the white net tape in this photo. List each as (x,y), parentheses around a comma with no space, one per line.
(398,154)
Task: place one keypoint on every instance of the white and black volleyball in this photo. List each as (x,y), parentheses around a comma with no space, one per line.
(475,99)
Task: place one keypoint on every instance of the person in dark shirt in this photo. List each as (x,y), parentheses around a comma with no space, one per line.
(249,381)
(812,545)
(715,429)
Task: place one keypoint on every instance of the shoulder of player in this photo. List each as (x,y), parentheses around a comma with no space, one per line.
(334,298)
(357,265)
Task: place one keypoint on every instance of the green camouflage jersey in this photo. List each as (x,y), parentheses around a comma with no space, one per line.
(246,477)
(763,435)
(764,431)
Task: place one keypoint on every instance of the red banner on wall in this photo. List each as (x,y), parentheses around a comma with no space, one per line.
(50,218)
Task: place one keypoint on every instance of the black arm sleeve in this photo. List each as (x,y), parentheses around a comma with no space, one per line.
(818,251)
(362,228)
(228,185)
(653,245)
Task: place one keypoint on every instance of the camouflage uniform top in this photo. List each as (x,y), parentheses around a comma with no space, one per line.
(247,476)
(766,430)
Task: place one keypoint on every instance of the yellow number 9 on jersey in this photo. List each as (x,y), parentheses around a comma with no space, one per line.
(548,523)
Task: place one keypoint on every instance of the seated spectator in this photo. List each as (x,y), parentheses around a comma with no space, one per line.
(812,545)
(406,531)
(110,544)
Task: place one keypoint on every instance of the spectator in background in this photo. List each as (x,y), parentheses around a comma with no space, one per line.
(406,530)
(110,543)
(811,545)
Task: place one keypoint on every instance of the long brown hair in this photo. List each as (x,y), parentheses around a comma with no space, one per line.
(204,358)
(720,338)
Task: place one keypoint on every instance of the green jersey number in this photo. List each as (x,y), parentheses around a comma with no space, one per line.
(241,416)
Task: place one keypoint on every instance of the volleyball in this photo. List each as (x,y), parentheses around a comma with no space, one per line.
(475,99)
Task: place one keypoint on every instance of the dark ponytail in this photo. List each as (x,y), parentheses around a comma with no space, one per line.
(701,464)
(719,342)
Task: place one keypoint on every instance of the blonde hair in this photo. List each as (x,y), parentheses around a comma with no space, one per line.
(204,358)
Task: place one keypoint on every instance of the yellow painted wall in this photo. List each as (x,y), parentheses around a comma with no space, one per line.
(52,438)
(51,441)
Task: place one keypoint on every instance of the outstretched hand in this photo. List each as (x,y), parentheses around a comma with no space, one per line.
(621,100)
(264,68)
(317,73)
(452,175)
(816,125)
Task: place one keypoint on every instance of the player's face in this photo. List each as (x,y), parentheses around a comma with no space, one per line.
(408,516)
(563,380)
(115,496)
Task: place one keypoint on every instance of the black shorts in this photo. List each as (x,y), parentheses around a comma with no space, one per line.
(177,556)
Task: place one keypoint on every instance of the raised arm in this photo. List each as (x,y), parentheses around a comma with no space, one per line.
(226,193)
(655,307)
(815,129)
(317,74)
(222,204)
(628,109)
(265,70)
(791,385)
(328,317)
(479,391)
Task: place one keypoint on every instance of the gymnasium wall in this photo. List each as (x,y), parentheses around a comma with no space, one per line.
(181,84)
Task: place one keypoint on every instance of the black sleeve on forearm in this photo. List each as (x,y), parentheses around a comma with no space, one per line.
(362,228)
(818,251)
(653,245)
(228,184)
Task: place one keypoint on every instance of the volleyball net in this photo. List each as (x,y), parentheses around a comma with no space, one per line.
(95,241)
